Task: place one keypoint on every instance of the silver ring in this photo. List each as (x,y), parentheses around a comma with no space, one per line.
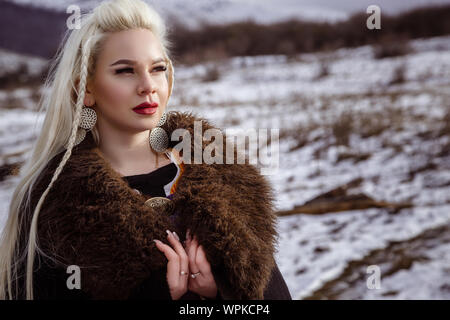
(183,273)
(194,275)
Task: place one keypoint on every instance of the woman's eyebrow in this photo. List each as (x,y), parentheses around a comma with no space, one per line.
(132,62)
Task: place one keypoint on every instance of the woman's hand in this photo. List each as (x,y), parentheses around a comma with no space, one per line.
(177,265)
(201,280)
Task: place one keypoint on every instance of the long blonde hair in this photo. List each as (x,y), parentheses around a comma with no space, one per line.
(73,66)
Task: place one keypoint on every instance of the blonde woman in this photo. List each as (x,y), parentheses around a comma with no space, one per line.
(107,208)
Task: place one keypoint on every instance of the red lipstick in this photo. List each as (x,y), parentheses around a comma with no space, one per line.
(146,108)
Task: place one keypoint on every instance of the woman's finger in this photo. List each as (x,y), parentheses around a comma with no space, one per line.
(175,242)
(192,254)
(173,264)
(188,238)
(179,249)
(178,283)
(166,249)
(202,261)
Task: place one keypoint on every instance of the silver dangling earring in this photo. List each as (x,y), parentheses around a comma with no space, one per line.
(158,138)
(87,122)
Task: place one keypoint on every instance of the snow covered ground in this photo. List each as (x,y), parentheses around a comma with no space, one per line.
(342,115)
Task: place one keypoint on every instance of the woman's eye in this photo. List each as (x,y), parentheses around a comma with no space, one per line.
(124,70)
(160,68)
(130,70)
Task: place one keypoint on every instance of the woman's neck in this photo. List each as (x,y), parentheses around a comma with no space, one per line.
(132,155)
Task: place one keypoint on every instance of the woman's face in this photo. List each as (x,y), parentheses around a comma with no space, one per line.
(119,86)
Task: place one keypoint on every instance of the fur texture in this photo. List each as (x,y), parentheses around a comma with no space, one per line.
(93,219)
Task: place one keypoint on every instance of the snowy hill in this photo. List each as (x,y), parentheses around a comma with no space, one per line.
(191,12)
(217,11)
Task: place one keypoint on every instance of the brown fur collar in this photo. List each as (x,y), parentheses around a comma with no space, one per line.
(93,219)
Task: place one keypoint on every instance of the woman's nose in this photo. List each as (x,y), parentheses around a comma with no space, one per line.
(146,85)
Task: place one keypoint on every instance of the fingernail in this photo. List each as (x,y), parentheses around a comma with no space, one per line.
(156,241)
(188,236)
(168,232)
(176,236)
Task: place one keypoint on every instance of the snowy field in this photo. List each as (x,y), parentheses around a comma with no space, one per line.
(343,116)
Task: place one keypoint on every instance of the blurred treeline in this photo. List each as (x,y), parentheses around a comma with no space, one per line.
(213,42)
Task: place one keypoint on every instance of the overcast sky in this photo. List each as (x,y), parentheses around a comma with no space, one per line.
(349,6)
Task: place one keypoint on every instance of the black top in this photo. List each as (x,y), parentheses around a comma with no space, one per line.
(152,184)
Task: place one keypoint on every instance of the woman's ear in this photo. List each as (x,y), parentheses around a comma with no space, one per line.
(89,99)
